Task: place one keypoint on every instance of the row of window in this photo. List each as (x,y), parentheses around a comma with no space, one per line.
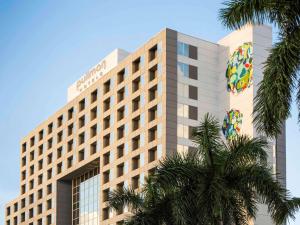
(31,199)
(14,221)
(107,86)
(122,131)
(187,50)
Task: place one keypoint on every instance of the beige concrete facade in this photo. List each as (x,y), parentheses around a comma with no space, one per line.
(121,125)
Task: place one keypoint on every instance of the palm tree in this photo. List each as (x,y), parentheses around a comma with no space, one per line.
(281,77)
(150,206)
(219,183)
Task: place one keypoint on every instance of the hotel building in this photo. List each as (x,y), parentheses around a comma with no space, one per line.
(127,113)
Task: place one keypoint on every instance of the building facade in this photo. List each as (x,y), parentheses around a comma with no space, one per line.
(127,113)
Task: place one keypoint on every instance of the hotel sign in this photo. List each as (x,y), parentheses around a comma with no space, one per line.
(91,76)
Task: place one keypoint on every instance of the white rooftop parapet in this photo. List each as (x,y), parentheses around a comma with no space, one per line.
(90,77)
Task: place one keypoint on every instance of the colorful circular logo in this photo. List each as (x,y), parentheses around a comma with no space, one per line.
(239,71)
(232,124)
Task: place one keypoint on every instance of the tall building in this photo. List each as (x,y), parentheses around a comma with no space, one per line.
(128,112)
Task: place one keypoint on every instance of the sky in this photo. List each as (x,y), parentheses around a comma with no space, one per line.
(47,45)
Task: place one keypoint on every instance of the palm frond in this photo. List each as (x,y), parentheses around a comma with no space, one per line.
(243,150)
(207,137)
(125,197)
(238,13)
(274,95)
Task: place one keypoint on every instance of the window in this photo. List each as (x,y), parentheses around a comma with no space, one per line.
(81,155)
(93,148)
(70,145)
(24,161)
(59,152)
(81,105)
(135,143)
(152,154)
(81,121)
(40,179)
(120,151)
(135,162)
(183,69)
(59,136)
(106,122)
(49,174)
(136,84)
(31,156)
(81,138)
(41,134)
(187,50)
(8,211)
(41,149)
(193,112)
(120,113)
(106,157)
(30,213)
(49,159)
(120,170)
(31,199)
(16,207)
(70,161)
(106,87)
(106,140)
(136,65)
(31,184)
(136,123)
(50,142)
(193,92)
(40,194)
(183,49)
(105,195)
(152,53)
(31,141)
(23,217)
(49,189)
(188,71)
(182,131)
(93,113)
(121,76)
(105,213)
(50,128)
(49,204)
(70,113)
(106,104)
(120,132)
(59,121)
(135,104)
(40,164)
(93,131)
(24,147)
(59,168)
(39,209)
(23,189)
(23,176)
(135,182)
(31,170)
(23,203)
(187,111)
(49,220)
(120,95)
(153,93)
(106,177)
(94,96)
(153,73)
(152,134)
